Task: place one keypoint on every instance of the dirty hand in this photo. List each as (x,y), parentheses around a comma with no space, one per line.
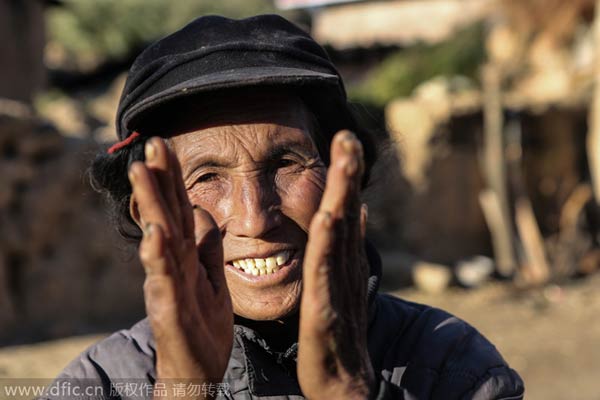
(186,296)
(333,361)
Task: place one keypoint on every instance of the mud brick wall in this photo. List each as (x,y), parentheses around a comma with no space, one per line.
(63,269)
(21,48)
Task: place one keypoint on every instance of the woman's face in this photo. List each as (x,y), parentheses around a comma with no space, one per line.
(256,170)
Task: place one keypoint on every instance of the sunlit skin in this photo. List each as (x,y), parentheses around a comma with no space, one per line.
(247,182)
(261,178)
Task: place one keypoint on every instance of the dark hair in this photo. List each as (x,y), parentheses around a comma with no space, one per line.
(108,172)
(108,176)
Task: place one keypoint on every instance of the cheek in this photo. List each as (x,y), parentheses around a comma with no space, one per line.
(210,197)
(300,197)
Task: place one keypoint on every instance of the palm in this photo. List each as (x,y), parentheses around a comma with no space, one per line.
(332,358)
(187,300)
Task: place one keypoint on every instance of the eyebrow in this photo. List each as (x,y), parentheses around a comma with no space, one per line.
(206,160)
(286,148)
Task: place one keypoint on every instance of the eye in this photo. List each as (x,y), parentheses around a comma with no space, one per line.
(286,162)
(210,176)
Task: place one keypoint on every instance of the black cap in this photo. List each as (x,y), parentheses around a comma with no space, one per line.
(214,53)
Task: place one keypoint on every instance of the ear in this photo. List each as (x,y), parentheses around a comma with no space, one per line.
(134,211)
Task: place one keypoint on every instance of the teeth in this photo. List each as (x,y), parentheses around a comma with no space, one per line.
(262,266)
(271,263)
(281,259)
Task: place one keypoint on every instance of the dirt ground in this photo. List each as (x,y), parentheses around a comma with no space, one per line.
(552,337)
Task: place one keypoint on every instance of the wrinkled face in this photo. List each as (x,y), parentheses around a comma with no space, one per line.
(256,170)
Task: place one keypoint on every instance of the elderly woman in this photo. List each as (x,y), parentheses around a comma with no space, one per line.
(239,172)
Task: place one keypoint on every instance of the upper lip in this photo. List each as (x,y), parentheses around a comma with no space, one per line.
(262,254)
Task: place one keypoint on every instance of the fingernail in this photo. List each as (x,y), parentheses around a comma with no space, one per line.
(328,315)
(348,144)
(150,151)
(131,176)
(351,166)
(148,230)
(326,215)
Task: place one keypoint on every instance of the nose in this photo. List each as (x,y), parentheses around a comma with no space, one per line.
(255,208)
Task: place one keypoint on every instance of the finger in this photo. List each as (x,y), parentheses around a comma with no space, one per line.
(159,161)
(160,294)
(341,198)
(158,260)
(316,270)
(167,295)
(317,316)
(343,176)
(152,251)
(352,270)
(184,203)
(209,246)
(150,202)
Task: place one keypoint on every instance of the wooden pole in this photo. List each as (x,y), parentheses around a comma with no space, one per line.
(498,226)
(535,269)
(494,200)
(573,243)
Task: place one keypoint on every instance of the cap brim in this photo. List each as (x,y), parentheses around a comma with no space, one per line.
(236,78)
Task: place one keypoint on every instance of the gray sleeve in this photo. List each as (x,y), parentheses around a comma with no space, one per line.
(82,379)
(123,361)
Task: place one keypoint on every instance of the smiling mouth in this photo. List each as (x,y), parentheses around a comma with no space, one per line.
(263,266)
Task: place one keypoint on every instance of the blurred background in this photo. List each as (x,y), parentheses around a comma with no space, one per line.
(486,203)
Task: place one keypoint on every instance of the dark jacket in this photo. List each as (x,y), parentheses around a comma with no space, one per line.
(417,352)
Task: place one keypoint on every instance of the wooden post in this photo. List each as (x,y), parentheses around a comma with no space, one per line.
(535,270)
(573,243)
(498,226)
(494,200)
(593,138)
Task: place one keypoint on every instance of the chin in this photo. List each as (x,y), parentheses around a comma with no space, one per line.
(271,306)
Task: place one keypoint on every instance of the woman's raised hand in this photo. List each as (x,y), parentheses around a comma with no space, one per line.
(333,361)
(186,296)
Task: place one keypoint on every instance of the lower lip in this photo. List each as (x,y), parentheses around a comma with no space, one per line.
(284,273)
